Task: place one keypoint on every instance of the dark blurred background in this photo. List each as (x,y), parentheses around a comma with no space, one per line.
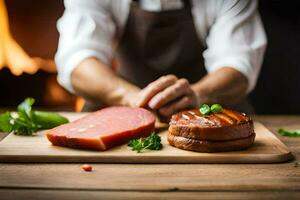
(33,26)
(278,87)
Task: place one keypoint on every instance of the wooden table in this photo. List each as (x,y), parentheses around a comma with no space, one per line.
(159,181)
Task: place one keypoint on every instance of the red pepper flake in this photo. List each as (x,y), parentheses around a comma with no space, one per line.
(87,167)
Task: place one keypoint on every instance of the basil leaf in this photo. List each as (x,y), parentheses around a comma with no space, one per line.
(26,106)
(216,108)
(204,109)
(5,125)
(46,120)
(28,121)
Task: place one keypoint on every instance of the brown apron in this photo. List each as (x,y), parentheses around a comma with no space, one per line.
(159,43)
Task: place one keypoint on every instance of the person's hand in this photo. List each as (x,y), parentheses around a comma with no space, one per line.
(168,95)
(129,97)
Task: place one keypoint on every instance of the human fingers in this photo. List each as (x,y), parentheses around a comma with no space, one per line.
(153,88)
(180,88)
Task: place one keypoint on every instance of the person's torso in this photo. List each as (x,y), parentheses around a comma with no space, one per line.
(203,12)
(154,44)
(151,43)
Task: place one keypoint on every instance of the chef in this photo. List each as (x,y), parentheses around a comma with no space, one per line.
(165,55)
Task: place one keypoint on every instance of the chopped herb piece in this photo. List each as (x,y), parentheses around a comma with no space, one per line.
(204,109)
(289,133)
(216,108)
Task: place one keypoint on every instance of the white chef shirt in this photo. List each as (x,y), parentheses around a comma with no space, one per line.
(231,30)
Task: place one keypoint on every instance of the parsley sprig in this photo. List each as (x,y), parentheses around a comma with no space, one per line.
(152,142)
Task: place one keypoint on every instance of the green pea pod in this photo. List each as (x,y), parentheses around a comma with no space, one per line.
(47,120)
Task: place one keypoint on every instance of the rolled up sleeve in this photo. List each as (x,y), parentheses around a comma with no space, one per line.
(86,30)
(236,39)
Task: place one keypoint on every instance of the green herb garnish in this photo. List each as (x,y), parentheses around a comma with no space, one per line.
(27,121)
(297,164)
(204,109)
(215,108)
(289,133)
(152,142)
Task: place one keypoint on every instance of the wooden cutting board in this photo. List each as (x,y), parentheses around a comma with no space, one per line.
(266,149)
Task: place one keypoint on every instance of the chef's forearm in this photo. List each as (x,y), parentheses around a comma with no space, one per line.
(97,82)
(226,86)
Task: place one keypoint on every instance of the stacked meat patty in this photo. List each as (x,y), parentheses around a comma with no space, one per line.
(214,132)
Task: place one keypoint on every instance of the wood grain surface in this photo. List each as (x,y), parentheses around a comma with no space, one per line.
(175,195)
(158,181)
(266,149)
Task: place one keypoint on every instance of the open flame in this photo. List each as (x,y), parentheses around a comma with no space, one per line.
(13,56)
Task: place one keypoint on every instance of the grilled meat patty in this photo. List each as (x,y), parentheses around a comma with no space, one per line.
(206,146)
(216,132)
(228,125)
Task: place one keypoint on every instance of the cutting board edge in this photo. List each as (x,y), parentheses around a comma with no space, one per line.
(276,158)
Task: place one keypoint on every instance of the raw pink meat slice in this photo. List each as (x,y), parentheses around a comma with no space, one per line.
(104,129)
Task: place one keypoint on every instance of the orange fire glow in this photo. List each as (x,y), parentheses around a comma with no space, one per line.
(14,57)
(11,53)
